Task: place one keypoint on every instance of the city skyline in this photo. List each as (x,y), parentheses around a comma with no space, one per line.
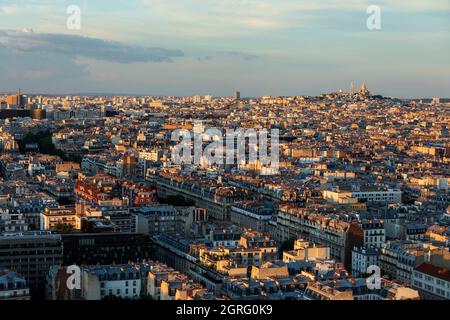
(230,95)
(185,48)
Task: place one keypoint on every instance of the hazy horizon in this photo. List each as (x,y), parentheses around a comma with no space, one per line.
(243,96)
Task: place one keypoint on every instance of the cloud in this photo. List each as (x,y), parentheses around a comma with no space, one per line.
(225,54)
(78,46)
(228,17)
(266,7)
(242,55)
(45,62)
(28,70)
(8,9)
(37,74)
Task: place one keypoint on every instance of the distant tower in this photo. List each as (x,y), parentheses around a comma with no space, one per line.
(20,98)
(436,100)
(236,95)
(352,88)
(363,88)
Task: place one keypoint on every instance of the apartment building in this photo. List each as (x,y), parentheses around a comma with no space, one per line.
(251,217)
(217,206)
(363,258)
(52,218)
(31,254)
(340,236)
(306,251)
(363,194)
(433,282)
(124,281)
(163,219)
(432,278)
(12,221)
(399,258)
(105,248)
(156,275)
(374,233)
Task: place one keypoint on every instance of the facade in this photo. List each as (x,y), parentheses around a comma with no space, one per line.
(15,100)
(432,281)
(155,278)
(217,207)
(362,259)
(54,217)
(374,233)
(365,194)
(12,221)
(253,218)
(124,281)
(27,208)
(105,248)
(31,254)
(399,259)
(160,219)
(339,236)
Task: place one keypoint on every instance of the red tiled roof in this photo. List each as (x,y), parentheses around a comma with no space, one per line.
(434,271)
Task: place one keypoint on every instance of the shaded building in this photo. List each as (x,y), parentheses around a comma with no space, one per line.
(105,248)
(31,254)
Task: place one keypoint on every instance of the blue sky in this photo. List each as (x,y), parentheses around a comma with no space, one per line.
(187,47)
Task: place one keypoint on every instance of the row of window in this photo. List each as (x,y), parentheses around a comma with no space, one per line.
(431,289)
(102,284)
(118,292)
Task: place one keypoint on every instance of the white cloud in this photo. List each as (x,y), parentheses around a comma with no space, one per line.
(8,10)
(226,18)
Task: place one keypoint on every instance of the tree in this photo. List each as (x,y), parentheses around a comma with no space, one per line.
(287,246)
(63,227)
(46,146)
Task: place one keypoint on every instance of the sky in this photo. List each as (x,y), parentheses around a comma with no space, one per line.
(213,47)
